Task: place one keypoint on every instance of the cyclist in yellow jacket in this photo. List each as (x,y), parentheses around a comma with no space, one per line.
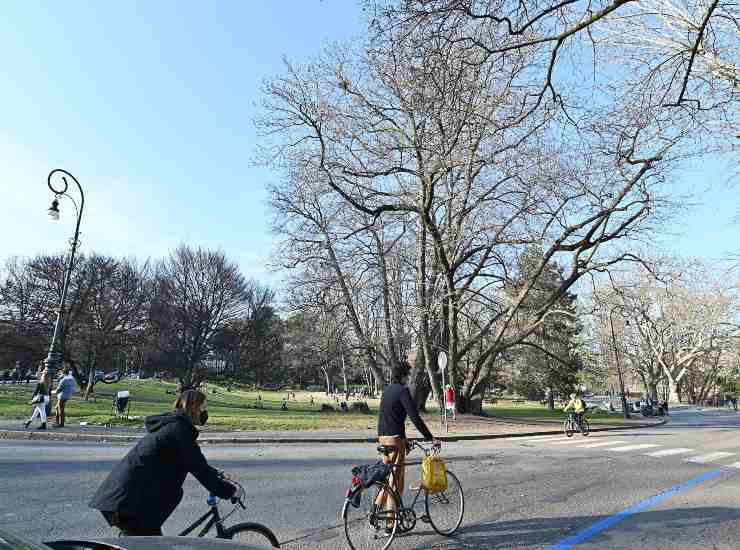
(578,405)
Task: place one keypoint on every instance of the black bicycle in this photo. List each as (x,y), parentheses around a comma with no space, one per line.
(369,525)
(571,425)
(255,534)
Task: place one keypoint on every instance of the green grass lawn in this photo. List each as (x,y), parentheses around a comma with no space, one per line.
(237,409)
(532,410)
(234,409)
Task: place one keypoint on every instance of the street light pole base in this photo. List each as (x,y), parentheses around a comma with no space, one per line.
(52,363)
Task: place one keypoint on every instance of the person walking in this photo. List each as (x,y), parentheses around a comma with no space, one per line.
(65,389)
(144,488)
(40,400)
(450,401)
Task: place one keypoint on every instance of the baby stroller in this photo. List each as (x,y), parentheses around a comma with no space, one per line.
(121,404)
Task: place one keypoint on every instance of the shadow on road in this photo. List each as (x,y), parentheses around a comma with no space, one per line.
(538,532)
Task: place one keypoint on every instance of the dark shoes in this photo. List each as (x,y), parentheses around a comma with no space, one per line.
(26,424)
(42,427)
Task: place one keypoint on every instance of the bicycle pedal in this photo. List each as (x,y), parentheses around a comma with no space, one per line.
(425,519)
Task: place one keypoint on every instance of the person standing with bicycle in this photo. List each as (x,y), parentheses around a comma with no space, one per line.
(396,405)
(146,486)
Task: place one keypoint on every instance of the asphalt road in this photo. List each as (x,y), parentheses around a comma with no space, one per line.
(552,493)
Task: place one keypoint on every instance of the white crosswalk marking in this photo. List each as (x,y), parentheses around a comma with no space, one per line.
(570,441)
(538,437)
(711,457)
(602,444)
(637,447)
(736,465)
(670,452)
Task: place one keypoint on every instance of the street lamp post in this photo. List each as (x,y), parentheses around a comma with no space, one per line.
(54,359)
(619,368)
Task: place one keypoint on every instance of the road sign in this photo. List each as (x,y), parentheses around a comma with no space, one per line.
(442,364)
(442,360)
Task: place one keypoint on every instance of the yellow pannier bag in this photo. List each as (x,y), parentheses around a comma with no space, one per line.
(433,475)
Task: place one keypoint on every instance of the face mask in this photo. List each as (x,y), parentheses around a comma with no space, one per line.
(203,417)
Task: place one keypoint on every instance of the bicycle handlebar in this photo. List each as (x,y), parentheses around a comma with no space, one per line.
(434,447)
(238,496)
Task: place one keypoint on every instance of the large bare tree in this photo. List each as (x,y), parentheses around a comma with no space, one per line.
(198,292)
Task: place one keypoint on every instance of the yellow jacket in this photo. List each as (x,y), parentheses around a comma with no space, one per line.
(575,404)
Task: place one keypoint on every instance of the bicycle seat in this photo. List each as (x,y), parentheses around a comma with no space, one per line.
(387,449)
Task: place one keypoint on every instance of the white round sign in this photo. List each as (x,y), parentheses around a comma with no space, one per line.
(442,360)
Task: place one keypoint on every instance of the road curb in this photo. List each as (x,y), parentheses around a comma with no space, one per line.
(121,439)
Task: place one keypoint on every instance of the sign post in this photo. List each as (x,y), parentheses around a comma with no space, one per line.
(442,364)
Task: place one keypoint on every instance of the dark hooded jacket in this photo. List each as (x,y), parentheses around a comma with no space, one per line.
(147,483)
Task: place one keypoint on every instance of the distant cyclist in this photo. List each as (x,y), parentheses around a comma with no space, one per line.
(578,405)
(146,486)
(395,405)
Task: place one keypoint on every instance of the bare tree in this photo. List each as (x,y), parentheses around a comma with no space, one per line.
(198,292)
(115,313)
(679,328)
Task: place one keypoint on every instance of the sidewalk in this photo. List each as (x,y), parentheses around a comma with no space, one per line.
(467,428)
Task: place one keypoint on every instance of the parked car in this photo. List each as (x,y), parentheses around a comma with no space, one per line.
(11,541)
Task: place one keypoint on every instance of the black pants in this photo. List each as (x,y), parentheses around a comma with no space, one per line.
(131,527)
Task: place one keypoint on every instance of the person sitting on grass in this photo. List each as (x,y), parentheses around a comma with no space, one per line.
(578,405)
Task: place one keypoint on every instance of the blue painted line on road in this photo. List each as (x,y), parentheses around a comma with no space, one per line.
(604,524)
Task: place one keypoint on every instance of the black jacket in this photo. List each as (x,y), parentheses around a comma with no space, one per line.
(395,405)
(40,389)
(147,484)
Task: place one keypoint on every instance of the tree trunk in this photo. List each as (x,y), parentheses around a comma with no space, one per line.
(673,394)
(419,382)
(326,374)
(344,376)
(90,375)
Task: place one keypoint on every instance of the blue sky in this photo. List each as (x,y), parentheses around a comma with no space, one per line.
(150,105)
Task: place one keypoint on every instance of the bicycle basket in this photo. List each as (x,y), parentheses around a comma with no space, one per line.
(433,475)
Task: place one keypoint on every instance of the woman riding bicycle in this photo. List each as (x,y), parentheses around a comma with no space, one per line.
(146,486)
(395,405)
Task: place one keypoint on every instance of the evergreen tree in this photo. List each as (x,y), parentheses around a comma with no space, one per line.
(547,363)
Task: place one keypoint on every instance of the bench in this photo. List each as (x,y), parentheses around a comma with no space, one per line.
(518,401)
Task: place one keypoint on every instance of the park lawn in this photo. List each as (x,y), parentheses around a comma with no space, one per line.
(234,409)
(532,410)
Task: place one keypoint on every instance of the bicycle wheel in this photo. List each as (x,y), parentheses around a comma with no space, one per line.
(585,428)
(445,509)
(258,536)
(568,428)
(368,526)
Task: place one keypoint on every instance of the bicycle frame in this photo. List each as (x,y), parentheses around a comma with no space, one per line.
(215,519)
(404,465)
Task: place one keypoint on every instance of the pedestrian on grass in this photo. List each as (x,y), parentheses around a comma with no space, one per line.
(65,389)
(40,400)
(450,401)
